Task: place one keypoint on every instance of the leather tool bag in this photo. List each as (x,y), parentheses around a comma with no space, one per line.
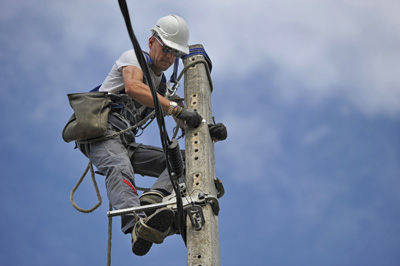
(90,116)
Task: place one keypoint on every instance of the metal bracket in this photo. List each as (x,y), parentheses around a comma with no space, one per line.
(196,216)
(192,205)
(204,199)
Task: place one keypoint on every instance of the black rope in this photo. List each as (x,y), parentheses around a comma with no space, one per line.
(159,115)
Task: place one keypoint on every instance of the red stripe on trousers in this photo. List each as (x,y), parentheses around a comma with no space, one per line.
(130,185)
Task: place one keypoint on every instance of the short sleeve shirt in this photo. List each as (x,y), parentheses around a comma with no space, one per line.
(114,82)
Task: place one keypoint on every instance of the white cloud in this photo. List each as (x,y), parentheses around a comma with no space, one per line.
(341,49)
(329,49)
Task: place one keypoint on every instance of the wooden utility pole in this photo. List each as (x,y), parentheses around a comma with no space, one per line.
(202,245)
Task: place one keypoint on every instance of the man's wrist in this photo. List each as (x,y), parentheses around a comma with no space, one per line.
(172,106)
(177,111)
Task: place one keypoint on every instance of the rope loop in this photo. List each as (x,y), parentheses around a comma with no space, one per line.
(90,166)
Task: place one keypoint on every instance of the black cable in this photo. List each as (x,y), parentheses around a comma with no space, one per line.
(159,115)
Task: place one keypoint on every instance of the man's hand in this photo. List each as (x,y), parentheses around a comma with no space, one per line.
(192,118)
(218,132)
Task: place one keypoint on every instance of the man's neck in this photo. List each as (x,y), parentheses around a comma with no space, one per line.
(156,70)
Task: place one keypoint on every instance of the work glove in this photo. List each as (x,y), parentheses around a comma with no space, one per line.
(218,131)
(192,118)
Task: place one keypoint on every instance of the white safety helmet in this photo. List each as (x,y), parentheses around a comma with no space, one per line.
(174,32)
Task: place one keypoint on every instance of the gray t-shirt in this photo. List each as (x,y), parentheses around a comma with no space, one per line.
(114,82)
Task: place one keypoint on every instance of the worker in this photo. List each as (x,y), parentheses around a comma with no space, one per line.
(121,157)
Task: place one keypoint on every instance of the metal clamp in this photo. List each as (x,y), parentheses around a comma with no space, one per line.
(192,206)
(203,199)
(196,216)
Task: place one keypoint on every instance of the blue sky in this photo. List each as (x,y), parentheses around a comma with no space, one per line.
(309,91)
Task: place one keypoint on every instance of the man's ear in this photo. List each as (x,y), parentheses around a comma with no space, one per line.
(151,42)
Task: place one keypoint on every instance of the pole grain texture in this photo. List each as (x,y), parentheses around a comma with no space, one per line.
(203,245)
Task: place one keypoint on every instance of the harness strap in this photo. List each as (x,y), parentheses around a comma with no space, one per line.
(175,72)
(200,51)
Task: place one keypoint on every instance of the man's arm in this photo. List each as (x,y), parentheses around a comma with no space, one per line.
(140,92)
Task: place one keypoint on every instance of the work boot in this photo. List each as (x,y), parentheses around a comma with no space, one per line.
(152,229)
(151,197)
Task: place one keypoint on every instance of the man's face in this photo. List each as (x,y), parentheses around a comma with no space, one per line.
(161,60)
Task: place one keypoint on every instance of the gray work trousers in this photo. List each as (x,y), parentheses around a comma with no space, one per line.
(119,159)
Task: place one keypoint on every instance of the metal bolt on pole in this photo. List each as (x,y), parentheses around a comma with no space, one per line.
(202,245)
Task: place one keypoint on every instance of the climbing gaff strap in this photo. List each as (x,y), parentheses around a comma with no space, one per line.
(90,166)
(159,114)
